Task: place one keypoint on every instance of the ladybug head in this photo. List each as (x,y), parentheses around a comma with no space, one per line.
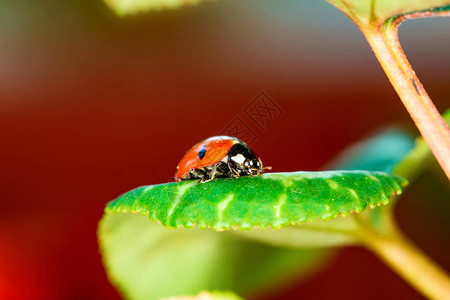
(244,160)
(252,166)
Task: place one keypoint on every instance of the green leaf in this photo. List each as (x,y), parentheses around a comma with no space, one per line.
(275,199)
(392,150)
(148,261)
(418,158)
(124,7)
(144,260)
(378,152)
(375,12)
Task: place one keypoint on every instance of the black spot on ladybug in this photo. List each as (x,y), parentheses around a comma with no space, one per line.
(202,153)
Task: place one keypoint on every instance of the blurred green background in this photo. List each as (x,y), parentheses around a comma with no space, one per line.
(92,105)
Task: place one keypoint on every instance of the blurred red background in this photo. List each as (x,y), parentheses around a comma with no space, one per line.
(93,105)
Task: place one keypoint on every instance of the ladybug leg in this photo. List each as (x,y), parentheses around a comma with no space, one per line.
(197,173)
(212,174)
(235,173)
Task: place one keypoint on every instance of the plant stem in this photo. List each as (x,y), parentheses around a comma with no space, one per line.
(384,42)
(408,261)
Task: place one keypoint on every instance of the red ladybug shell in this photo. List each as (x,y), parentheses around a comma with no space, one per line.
(206,153)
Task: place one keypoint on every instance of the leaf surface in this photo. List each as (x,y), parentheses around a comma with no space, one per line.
(125,7)
(273,199)
(148,261)
(375,12)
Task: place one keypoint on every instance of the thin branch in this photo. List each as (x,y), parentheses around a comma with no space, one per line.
(384,42)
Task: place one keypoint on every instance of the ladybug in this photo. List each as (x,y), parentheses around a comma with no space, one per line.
(219,157)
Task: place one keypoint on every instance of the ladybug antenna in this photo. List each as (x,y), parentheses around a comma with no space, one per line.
(262,167)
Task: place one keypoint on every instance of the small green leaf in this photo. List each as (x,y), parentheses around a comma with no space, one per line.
(214,295)
(375,12)
(378,152)
(124,7)
(418,158)
(275,200)
(392,150)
